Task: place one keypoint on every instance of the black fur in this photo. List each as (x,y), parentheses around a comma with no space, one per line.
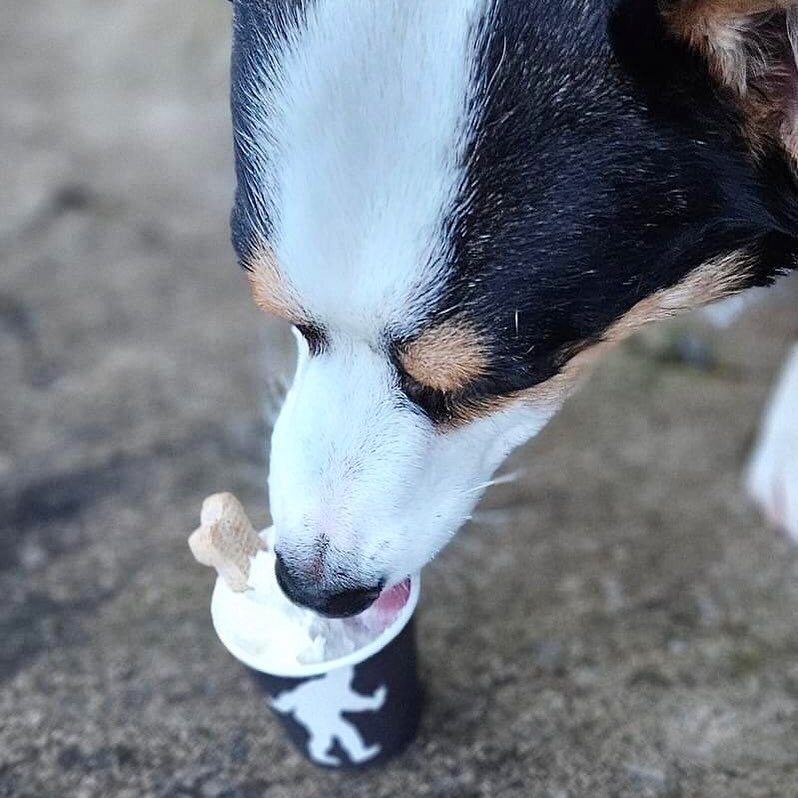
(606,165)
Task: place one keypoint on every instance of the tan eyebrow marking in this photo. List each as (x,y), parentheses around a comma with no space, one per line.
(270,289)
(446,357)
(716,279)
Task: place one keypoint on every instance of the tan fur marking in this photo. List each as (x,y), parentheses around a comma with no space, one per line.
(717,29)
(725,32)
(446,358)
(269,288)
(714,280)
(717,278)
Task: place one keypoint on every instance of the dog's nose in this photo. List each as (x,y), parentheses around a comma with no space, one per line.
(333,604)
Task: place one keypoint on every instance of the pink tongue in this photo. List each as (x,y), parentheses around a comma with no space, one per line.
(393,599)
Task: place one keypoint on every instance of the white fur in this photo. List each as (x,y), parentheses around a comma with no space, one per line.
(368,481)
(358,147)
(362,120)
(772,477)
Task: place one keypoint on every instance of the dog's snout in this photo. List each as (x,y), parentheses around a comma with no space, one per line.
(306,592)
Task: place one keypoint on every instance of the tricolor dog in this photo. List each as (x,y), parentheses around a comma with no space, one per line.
(460,205)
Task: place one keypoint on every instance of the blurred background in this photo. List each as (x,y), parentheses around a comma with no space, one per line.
(617,620)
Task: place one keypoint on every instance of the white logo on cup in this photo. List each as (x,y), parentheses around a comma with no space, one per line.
(318,703)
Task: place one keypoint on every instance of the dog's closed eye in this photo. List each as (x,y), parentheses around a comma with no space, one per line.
(452,408)
(440,406)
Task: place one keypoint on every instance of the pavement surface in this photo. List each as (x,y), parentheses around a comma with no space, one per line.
(618,621)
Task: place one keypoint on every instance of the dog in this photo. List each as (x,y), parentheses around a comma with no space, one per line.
(460,205)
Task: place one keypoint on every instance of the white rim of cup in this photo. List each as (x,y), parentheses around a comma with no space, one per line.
(301,671)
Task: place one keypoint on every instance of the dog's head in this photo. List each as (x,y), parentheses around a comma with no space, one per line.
(458,205)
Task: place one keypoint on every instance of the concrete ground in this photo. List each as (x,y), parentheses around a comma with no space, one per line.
(617,622)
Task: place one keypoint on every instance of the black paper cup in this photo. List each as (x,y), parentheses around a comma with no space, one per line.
(354,711)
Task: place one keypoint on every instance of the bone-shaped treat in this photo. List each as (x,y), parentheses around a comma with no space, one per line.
(225,540)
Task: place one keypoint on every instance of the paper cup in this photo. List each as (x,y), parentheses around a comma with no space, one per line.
(353,711)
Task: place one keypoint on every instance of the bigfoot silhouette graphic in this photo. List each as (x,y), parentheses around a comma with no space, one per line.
(318,705)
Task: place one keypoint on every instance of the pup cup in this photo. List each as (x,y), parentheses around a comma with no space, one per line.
(351,710)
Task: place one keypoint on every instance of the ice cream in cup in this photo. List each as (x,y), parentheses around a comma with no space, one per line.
(346,690)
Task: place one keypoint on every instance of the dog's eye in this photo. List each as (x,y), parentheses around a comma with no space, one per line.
(314,337)
(438,405)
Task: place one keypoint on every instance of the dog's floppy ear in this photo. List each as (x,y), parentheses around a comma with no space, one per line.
(751,48)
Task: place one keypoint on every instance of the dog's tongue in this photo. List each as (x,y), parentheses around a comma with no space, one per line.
(393,599)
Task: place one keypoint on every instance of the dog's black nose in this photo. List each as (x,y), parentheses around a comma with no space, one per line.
(333,604)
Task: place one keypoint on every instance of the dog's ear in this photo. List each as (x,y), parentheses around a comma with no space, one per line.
(751,48)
